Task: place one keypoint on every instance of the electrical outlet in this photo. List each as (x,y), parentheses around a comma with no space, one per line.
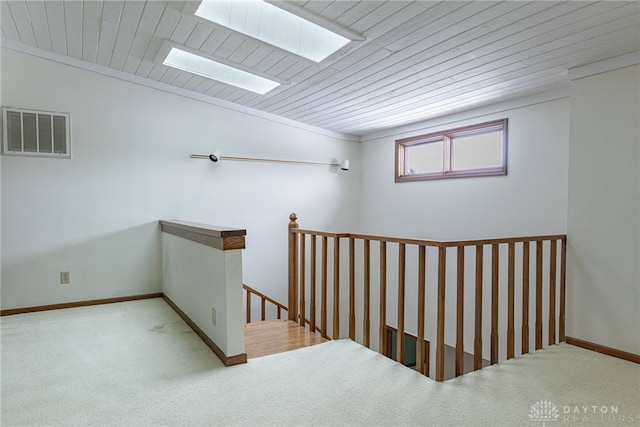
(64,277)
(213,316)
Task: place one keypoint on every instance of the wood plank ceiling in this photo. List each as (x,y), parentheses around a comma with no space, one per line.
(418,59)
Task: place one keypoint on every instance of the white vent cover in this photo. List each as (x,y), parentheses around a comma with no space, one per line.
(36,133)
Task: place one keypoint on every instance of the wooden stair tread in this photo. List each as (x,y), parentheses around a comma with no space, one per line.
(277,336)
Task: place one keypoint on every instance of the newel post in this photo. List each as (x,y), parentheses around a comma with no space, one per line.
(293,268)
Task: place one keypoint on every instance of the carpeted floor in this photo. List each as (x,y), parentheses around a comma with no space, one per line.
(139,364)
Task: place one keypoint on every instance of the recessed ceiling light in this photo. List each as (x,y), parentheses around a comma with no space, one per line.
(270,24)
(210,69)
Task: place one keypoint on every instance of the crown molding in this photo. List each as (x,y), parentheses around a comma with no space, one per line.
(610,64)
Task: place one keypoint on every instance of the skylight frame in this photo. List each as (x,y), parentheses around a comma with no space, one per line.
(184,60)
(279,27)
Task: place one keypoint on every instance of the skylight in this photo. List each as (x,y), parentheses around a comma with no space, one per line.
(204,67)
(270,24)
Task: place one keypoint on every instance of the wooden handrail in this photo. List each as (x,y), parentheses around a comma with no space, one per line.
(368,237)
(426,301)
(428,242)
(216,236)
(263,300)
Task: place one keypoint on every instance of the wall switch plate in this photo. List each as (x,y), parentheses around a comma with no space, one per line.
(64,277)
(213,316)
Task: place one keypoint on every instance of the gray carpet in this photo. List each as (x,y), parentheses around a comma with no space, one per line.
(139,364)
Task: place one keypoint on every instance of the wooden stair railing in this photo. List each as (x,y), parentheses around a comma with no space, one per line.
(472,259)
(263,304)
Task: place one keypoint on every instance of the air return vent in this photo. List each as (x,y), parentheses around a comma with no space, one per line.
(36,133)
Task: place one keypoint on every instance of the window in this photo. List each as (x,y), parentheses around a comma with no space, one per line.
(477,150)
(271,24)
(210,69)
(36,133)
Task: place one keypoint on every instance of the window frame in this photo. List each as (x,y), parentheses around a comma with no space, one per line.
(446,137)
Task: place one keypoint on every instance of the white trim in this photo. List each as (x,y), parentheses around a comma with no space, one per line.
(96,68)
(453,119)
(603,66)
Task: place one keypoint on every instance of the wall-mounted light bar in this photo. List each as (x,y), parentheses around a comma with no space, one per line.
(217,156)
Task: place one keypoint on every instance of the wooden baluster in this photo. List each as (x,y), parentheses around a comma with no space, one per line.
(382,330)
(367,295)
(495,259)
(511,302)
(538,294)
(263,309)
(248,307)
(352,288)
(301,292)
(293,268)
(422,281)
(553,255)
(442,278)
(336,288)
(401,289)
(312,286)
(563,285)
(477,340)
(323,308)
(460,314)
(525,297)
(279,313)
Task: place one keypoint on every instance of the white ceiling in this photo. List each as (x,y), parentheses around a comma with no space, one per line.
(417,59)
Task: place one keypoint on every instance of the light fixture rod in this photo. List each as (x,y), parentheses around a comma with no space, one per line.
(258,159)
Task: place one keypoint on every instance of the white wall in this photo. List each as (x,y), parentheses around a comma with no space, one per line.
(530,200)
(199,278)
(604,210)
(96,214)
